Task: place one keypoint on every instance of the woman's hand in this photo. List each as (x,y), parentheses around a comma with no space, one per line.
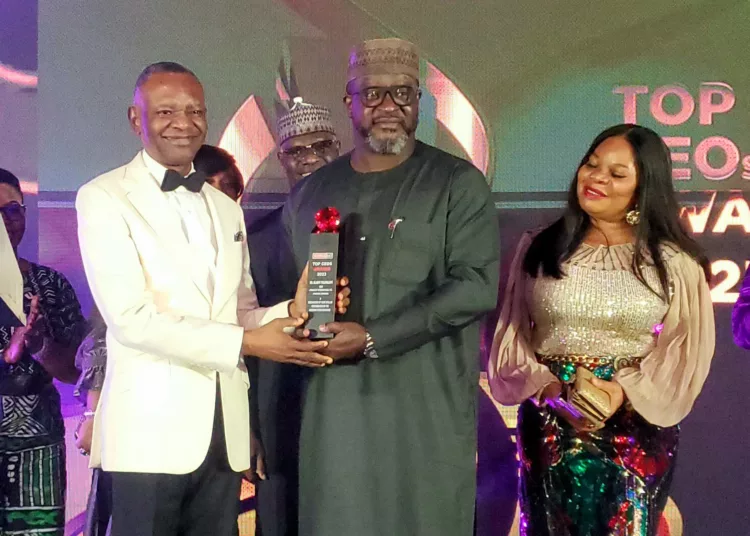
(615,392)
(34,337)
(567,413)
(26,337)
(551,392)
(257,469)
(551,397)
(83,435)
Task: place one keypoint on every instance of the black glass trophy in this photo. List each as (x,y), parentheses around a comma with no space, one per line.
(322,272)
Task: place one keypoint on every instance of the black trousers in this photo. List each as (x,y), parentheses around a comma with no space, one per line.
(202,503)
(99,507)
(277,389)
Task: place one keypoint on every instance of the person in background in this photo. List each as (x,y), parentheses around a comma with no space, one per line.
(91,359)
(307,142)
(617,287)
(221,169)
(32,432)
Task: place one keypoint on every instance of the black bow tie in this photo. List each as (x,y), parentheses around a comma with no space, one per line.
(173,180)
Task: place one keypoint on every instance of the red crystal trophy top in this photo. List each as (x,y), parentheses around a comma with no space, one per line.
(327,220)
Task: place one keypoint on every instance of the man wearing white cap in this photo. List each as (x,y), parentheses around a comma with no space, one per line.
(307,142)
(388,438)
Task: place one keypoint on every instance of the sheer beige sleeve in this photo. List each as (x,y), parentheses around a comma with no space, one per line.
(513,371)
(670,378)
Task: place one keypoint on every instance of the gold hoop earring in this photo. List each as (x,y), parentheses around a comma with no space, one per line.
(633,217)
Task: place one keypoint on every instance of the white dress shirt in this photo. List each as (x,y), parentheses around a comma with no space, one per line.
(195,217)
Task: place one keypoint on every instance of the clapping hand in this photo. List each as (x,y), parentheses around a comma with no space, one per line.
(28,337)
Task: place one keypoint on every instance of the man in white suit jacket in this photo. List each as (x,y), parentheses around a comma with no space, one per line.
(167,262)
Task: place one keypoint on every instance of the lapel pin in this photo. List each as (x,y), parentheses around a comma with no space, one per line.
(392,226)
(238,236)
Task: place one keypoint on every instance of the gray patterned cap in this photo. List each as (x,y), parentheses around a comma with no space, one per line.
(303,118)
(383,56)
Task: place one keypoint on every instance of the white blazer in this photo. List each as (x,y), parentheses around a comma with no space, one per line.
(166,338)
(11,284)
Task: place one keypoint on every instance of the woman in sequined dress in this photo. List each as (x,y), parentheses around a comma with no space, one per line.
(616,286)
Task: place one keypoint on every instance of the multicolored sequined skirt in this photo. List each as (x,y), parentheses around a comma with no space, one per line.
(612,482)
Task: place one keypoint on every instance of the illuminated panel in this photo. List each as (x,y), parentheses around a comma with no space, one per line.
(248,138)
(246,523)
(247,490)
(717,219)
(28,187)
(735,212)
(18,78)
(458,116)
(712,99)
(671,523)
(281,91)
(732,275)
(697,218)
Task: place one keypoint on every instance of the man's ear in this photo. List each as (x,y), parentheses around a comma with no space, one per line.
(134,118)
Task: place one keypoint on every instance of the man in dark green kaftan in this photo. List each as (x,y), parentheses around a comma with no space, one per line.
(389,430)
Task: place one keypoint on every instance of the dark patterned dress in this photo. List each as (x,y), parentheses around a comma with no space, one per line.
(32,432)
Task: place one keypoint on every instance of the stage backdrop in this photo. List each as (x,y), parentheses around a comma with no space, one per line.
(519,88)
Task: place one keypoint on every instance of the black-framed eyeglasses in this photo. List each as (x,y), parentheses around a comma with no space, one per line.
(13,210)
(319,148)
(374,96)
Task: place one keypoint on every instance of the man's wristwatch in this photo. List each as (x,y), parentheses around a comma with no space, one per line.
(370,351)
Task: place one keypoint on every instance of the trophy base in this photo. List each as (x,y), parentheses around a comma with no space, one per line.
(315,321)
(316,335)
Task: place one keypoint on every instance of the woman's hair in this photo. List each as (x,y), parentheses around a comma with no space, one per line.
(654,198)
(212,160)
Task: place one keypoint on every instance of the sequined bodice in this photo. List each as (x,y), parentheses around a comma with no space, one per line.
(598,308)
